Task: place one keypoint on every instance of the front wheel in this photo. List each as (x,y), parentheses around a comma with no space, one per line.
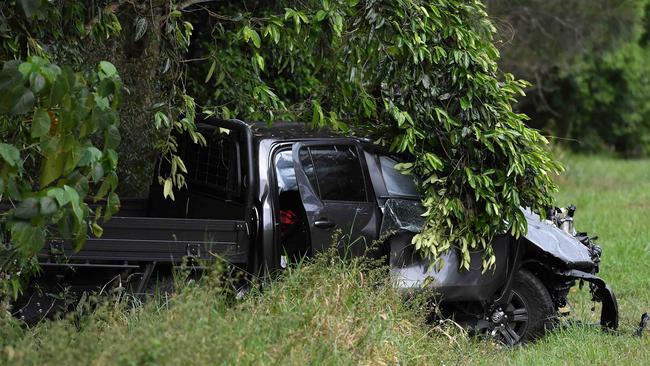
(529,312)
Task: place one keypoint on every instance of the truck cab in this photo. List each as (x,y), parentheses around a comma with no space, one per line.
(324,184)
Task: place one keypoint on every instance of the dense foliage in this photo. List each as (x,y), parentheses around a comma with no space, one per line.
(418,76)
(588,62)
(59,133)
(60,128)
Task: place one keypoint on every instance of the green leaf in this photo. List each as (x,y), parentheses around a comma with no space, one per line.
(10,79)
(320,15)
(97,172)
(89,156)
(112,138)
(112,206)
(52,168)
(140,28)
(26,68)
(51,72)
(59,194)
(111,158)
(102,119)
(251,34)
(79,238)
(403,167)
(97,230)
(259,61)
(107,69)
(168,189)
(161,120)
(106,87)
(317,115)
(433,161)
(27,239)
(211,71)
(48,206)
(24,102)
(10,154)
(58,91)
(102,102)
(27,209)
(109,183)
(75,203)
(36,82)
(337,24)
(40,123)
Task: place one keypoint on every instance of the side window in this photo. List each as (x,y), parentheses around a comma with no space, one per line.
(334,172)
(308,166)
(284,172)
(397,184)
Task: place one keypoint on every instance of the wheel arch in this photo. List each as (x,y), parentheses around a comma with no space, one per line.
(544,267)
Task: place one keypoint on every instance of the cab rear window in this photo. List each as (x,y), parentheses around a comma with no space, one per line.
(214,169)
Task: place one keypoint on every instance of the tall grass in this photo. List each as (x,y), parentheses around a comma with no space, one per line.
(333,311)
(328,311)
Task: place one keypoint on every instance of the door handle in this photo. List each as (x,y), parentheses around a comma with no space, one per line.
(324,223)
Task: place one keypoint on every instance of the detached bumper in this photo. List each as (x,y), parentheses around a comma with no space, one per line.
(602,293)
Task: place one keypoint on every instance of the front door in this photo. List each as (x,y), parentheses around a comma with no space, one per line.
(338,199)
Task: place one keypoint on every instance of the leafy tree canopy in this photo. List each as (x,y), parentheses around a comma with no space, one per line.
(418,76)
(588,64)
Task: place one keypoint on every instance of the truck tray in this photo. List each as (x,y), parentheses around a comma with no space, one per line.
(163,240)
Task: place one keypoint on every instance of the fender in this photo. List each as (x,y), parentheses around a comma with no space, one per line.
(601,292)
(554,241)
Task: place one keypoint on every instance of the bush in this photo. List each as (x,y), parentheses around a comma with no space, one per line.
(612,109)
(588,61)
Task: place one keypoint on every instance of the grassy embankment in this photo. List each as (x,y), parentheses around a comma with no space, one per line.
(330,312)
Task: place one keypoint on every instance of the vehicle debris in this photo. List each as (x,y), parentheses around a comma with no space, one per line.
(642,325)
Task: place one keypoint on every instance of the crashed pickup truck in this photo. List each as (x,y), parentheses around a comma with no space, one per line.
(260,197)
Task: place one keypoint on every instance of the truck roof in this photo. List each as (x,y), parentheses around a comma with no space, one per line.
(258,131)
(290,131)
(278,130)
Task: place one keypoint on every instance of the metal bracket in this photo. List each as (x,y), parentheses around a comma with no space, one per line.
(603,293)
(194,250)
(144,279)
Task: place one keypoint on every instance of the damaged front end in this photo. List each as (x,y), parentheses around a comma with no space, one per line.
(575,255)
(552,252)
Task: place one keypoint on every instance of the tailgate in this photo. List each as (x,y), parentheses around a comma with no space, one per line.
(158,239)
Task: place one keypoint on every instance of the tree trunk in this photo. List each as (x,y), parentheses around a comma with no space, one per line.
(140,64)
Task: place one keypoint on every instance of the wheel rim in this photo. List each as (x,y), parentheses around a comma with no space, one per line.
(515,327)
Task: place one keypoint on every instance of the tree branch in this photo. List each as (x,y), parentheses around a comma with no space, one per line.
(112,8)
(188,3)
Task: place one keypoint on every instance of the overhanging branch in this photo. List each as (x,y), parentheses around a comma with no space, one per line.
(188,3)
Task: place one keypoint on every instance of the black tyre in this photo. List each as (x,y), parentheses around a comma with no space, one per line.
(161,288)
(530,310)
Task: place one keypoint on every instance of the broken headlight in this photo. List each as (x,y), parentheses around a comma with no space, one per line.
(562,217)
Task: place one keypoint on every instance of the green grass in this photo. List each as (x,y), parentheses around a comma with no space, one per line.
(333,312)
